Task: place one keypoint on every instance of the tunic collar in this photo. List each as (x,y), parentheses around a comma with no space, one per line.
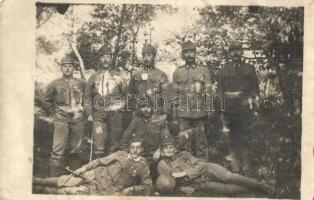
(190,66)
(136,159)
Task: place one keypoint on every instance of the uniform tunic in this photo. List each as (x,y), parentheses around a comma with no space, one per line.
(192,85)
(64,99)
(151,82)
(115,172)
(104,97)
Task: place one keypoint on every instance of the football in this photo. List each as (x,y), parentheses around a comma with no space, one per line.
(165,184)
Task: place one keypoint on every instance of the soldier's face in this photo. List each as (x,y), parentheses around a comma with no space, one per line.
(136,149)
(105,61)
(148,60)
(67,69)
(146,111)
(236,54)
(189,56)
(169,150)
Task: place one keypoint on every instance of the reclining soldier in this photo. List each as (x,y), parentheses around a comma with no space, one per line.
(193,174)
(119,173)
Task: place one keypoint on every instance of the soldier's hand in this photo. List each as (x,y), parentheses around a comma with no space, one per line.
(80,170)
(184,134)
(90,118)
(179,174)
(128,190)
(187,190)
(156,155)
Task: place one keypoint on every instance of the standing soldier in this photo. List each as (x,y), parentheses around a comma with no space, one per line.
(150,81)
(64,99)
(191,84)
(103,100)
(238,83)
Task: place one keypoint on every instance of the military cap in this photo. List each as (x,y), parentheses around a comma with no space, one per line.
(104,50)
(167,140)
(135,138)
(149,49)
(188,46)
(235,46)
(67,60)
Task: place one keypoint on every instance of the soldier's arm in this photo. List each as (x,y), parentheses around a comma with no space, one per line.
(164,129)
(131,85)
(255,91)
(88,95)
(219,94)
(98,162)
(197,168)
(208,80)
(209,91)
(131,92)
(165,92)
(173,93)
(49,98)
(219,80)
(83,85)
(163,168)
(146,184)
(123,85)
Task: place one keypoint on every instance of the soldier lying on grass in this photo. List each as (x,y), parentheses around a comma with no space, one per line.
(193,174)
(119,173)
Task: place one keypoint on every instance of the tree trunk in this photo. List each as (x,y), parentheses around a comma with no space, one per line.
(133,45)
(73,44)
(116,50)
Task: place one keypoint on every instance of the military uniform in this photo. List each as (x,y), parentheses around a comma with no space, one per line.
(64,100)
(151,82)
(104,95)
(237,82)
(206,176)
(149,131)
(114,172)
(189,85)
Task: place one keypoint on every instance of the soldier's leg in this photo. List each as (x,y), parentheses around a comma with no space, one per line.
(77,135)
(49,181)
(152,167)
(219,173)
(184,136)
(223,188)
(100,132)
(200,139)
(66,184)
(60,140)
(233,140)
(244,123)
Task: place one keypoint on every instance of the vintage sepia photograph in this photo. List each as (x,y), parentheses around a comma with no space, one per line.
(168,100)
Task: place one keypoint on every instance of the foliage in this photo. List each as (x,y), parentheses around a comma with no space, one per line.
(110,23)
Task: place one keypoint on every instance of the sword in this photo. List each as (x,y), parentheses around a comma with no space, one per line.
(90,181)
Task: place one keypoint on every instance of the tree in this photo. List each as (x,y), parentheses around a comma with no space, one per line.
(116,26)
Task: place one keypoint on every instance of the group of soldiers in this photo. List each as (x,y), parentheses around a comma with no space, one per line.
(149,147)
